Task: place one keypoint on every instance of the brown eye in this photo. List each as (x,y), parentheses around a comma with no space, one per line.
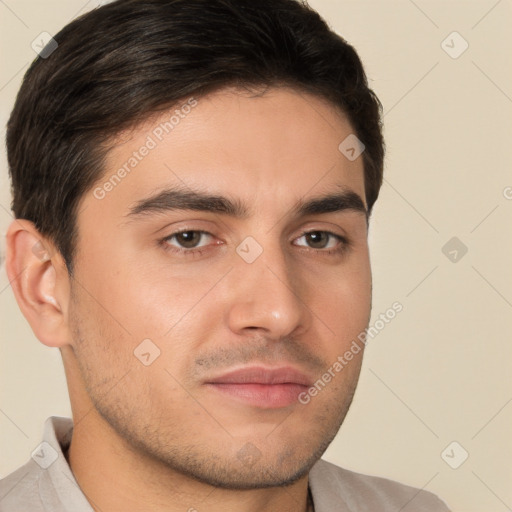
(188,239)
(323,241)
(318,239)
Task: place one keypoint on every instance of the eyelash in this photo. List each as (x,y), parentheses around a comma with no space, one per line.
(197,252)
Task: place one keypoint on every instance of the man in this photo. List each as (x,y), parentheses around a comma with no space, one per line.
(192,185)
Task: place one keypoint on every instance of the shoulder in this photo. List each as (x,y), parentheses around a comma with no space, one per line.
(332,485)
(46,481)
(20,490)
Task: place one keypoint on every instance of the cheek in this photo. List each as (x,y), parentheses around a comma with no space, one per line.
(345,301)
(99,345)
(137,296)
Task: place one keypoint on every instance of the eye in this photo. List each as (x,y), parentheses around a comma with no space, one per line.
(186,241)
(324,241)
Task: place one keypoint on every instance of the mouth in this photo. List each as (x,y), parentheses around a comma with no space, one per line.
(266,388)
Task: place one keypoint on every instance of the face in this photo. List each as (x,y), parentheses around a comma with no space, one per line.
(200,326)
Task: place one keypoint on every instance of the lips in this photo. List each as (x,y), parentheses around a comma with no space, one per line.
(260,375)
(266,388)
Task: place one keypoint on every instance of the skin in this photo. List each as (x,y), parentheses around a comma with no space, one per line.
(156,437)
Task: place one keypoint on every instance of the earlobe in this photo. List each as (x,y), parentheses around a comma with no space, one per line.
(35,273)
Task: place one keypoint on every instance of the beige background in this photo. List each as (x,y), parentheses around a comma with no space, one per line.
(441,371)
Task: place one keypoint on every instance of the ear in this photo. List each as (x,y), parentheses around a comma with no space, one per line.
(40,282)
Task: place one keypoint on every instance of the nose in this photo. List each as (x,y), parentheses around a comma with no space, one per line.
(268,295)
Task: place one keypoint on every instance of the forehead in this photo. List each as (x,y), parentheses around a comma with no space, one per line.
(268,150)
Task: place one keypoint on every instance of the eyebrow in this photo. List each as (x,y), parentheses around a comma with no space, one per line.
(175,199)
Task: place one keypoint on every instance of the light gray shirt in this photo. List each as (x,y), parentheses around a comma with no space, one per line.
(46,483)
